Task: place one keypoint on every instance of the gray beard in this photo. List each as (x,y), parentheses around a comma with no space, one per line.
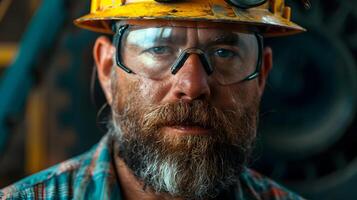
(202,170)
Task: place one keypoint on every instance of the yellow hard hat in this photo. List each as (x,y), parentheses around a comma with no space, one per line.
(271,17)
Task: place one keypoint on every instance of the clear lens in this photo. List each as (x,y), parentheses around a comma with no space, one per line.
(150,52)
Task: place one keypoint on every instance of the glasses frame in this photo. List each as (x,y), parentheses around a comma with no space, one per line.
(244,6)
(180,61)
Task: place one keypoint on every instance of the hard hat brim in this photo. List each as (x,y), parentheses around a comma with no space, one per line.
(268,23)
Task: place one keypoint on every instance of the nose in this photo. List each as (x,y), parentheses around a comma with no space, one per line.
(191,81)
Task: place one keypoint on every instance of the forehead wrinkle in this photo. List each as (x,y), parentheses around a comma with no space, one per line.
(221,37)
(227,38)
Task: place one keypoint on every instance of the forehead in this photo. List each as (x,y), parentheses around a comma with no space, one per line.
(191,24)
(182,32)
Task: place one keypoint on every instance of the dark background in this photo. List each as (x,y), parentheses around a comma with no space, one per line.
(307,135)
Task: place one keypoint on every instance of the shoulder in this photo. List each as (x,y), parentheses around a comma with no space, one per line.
(90,174)
(51,183)
(261,187)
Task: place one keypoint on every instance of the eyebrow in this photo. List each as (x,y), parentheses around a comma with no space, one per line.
(142,41)
(227,38)
(180,40)
(172,40)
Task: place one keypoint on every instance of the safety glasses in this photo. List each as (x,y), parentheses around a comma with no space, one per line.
(160,52)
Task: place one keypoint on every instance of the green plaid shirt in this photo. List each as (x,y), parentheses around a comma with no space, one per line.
(92,176)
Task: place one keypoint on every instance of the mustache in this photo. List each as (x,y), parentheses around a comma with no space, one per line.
(195,113)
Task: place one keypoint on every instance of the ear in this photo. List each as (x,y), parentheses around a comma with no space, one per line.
(103,53)
(267,65)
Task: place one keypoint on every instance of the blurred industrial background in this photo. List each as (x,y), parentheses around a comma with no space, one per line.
(308,131)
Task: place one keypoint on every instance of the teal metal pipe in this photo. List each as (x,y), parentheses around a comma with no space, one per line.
(16,83)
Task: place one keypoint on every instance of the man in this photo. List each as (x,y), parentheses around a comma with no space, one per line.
(184,80)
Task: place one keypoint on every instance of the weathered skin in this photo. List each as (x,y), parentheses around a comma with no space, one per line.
(190,83)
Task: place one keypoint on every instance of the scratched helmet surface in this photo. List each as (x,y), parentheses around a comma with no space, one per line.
(271,17)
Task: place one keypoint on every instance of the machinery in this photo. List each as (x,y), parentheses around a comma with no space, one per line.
(309,120)
(307,138)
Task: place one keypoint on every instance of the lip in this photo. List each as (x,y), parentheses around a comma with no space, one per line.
(188,130)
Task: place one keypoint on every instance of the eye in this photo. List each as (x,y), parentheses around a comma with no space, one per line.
(160,50)
(225,53)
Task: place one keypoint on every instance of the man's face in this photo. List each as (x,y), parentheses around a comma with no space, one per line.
(185,134)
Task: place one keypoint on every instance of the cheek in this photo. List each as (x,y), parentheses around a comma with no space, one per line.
(240,95)
(153,91)
(147,91)
(127,89)
(247,94)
